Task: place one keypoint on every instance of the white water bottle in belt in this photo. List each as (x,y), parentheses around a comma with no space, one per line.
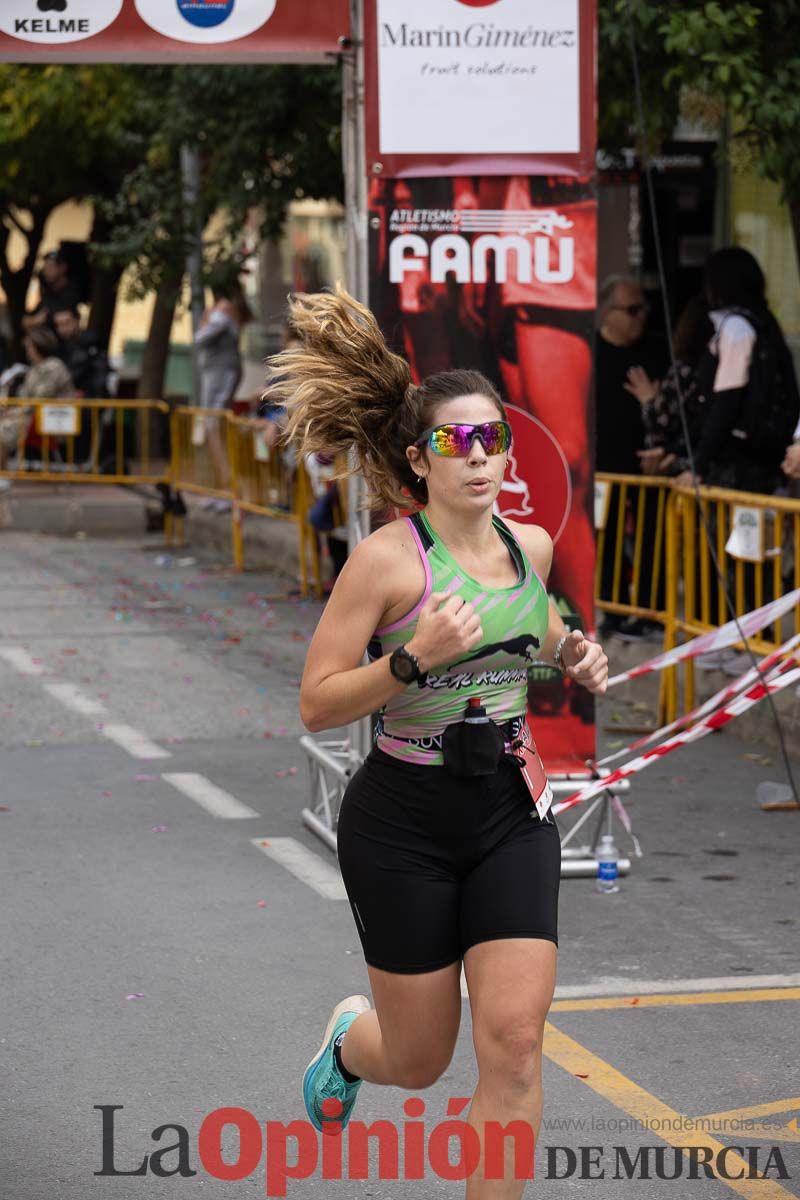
(607,869)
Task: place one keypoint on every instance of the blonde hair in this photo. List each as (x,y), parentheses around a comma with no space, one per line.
(344,388)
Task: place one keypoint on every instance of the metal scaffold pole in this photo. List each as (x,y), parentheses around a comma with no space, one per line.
(332,763)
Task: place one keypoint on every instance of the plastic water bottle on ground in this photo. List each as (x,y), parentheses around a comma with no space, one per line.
(607,859)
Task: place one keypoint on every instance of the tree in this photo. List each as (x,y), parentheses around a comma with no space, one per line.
(266,135)
(741,59)
(66,133)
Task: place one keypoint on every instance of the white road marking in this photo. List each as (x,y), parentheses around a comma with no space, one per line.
(134,742)
(658,987)
(71,697)
(209,796)
(306,866)
(21,660)
(655,987)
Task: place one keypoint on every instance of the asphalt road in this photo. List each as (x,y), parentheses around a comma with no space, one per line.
(156,957)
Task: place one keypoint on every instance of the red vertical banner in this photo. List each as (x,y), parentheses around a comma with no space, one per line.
(488,260)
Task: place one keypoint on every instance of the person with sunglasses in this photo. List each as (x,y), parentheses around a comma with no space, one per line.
(624,353)
(450,606)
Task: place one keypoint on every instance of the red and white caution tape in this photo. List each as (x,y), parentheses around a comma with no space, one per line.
(717,720)
(730,690)
(717,639)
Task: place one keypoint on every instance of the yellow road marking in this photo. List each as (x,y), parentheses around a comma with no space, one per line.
(679,998)
(654,1114)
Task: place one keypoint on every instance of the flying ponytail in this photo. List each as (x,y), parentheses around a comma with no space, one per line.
(344,388)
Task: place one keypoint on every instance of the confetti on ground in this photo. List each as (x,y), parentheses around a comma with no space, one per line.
(135,996)
(160,829)
(145,778)
(107,794)
(581,1076)
(634,1001)
(261,904)
(287,771)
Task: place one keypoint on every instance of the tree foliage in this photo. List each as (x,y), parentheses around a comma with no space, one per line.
(266,135)
(112,134)
(65,133)
(741,59)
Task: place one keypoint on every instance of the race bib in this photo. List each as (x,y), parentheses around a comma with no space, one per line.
(533,773)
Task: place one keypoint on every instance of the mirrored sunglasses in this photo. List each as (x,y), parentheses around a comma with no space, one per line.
(455,441)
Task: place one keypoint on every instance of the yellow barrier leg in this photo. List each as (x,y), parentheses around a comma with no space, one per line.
(301,558)
(238,538)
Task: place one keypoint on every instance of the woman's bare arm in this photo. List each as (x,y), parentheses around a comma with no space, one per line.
(583,660)
(336,689)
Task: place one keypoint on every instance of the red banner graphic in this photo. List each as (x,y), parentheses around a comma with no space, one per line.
(498,274)
(215,31)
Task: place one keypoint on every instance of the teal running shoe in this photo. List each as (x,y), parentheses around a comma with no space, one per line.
(323,1079)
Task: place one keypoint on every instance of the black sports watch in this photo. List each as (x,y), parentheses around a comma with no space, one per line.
(405,666)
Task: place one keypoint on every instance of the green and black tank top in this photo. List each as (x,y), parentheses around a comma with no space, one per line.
(514,621)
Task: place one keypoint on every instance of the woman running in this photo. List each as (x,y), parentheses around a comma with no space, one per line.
(442,865)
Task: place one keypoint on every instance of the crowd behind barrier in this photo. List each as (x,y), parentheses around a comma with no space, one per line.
(653,561)
(655,536)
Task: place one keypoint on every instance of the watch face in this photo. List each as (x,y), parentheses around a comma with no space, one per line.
(403,667)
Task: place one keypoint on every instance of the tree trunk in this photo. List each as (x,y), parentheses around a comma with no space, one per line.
(794,216)
(105,285)
(16,283)
(156,351)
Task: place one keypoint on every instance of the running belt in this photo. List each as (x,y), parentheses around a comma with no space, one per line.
(514,621)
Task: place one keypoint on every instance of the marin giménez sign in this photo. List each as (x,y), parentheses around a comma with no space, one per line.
(500,77)
(171,30)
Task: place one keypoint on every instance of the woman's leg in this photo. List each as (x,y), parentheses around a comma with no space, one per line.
(409,1037)
(510,982)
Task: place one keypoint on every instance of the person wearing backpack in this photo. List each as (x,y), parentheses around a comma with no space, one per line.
(747,389)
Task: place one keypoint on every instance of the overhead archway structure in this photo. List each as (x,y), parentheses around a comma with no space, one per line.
(469,147)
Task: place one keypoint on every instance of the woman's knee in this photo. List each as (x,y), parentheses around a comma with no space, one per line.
(417,1073)
(511,1048)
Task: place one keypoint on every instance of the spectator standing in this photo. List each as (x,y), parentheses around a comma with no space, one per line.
(217,341)
(666,452)
(47,378)
(83,353)
(622,345)
(57,289)
(746,381)
(87,362)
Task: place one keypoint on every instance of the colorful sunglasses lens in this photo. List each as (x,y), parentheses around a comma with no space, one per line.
(456,440)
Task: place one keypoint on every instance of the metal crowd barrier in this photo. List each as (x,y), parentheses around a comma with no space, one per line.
(757,543)
(232,458)
(82,441)
(632,554)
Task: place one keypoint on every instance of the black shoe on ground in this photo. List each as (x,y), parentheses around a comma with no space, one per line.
(640,630)
(611,623)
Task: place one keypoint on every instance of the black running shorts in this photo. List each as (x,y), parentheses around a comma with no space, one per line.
(433,864)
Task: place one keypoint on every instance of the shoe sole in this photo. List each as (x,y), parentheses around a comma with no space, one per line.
(357,1004)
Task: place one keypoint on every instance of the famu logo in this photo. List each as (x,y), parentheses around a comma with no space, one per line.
(57,21)
(205,21)
(205,13)
(524,245)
